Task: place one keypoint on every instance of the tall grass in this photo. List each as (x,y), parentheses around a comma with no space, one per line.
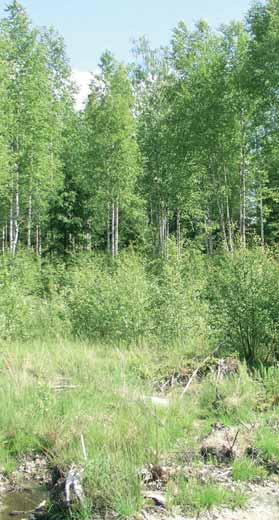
(54,392)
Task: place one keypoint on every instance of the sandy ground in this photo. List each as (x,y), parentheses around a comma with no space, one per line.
(263,505)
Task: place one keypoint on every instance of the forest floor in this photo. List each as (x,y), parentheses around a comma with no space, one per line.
(151,433)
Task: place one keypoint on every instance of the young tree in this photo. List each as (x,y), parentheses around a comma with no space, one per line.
(36,92)
(113,159)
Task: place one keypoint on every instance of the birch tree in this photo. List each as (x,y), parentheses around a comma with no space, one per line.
(113,154)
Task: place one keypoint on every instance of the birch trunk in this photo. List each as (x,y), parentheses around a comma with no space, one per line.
(209,241)
(108,229)
(161,232)
(262,221)
(11,217)
(229,222)
(243,206)
(38,248)
(11,226)
(3,240)
(89,236)
(163,228)
(113,230)
(223,225)
(242,216)
(29,230)
(178,232)
(228,214)
(116,240)
(16,219)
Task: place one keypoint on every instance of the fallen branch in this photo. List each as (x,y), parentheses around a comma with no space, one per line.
(196,371)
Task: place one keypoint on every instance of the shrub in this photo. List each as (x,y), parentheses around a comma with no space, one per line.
(243,292)
(110,303)
(180,313)
(25,313)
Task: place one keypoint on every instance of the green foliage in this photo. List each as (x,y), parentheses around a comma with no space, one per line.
(232,399)
(269,376)
(34,125)
(110,303)
(180,312)
(243,294)
(25,312)
(195,496)
(267,441)
(176,300)
(128,301)
(247,470)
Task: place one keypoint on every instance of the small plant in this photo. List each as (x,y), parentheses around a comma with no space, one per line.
(267,442)
(269,377)
(247,470)
(195,496)
(232,399)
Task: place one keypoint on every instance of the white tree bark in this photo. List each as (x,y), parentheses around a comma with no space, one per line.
(178,232)
(29,230)
(3,240)
(113,230)
(116,241)
(109,229)
(262,221)
(242,171)
(16,217)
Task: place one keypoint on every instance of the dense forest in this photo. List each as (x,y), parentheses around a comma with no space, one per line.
(182,143)
(154,211)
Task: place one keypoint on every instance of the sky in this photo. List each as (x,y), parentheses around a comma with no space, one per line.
(92,26)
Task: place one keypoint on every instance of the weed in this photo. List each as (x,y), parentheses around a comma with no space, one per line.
(267,441)
(195,496)
(247,470)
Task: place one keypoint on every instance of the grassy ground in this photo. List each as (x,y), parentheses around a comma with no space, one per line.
(50,394)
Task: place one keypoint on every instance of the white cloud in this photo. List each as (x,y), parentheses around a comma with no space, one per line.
(82,78)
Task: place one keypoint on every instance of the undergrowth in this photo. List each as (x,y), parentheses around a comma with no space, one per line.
(53,392)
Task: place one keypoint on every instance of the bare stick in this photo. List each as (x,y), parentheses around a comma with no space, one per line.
(83,447)
(186,388)
(234,441)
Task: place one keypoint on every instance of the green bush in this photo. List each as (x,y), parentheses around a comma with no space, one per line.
(25,312)
(180,313)
(110,302)
(127,300)
(243,292)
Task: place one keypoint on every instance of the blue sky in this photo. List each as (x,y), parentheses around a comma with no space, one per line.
(91,26)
